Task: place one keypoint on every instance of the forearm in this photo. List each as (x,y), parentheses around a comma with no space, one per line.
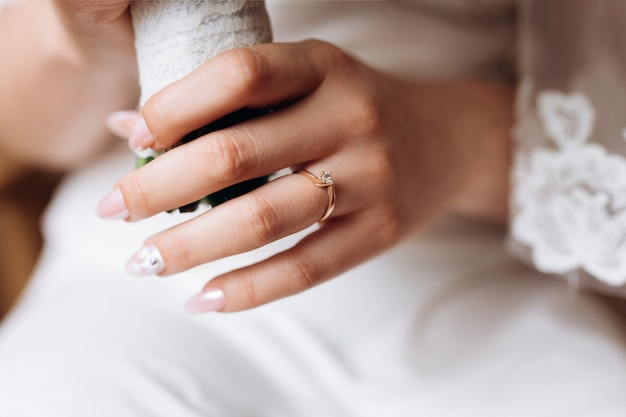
(54,95)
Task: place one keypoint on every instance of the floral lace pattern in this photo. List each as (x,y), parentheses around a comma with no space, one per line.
(571,201)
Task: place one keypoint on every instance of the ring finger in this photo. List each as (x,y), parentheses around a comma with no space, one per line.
(282,207)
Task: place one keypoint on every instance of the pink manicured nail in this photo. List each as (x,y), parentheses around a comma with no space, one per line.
(120,123)
(206,301)
(146,261)
(112,206)
(140,137)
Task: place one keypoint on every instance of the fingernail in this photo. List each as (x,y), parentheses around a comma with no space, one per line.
(112,206)
(206,301)
(120,123)
(140,137)
(146,261)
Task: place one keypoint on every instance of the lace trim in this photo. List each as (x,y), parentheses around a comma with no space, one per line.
(172,38)
(571,201)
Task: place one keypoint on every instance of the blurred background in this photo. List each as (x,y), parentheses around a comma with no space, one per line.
(23,196)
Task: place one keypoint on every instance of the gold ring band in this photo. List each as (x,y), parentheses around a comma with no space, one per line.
(325,180)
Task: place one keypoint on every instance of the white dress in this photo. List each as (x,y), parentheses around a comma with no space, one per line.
(569,200)
(446,324)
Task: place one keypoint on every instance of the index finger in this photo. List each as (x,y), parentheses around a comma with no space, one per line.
(254,77)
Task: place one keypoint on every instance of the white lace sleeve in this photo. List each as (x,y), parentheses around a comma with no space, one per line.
(569,178)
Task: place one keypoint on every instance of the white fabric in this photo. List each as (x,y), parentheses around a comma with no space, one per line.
(569,183)
(446,324)
(571,200)
(172,38)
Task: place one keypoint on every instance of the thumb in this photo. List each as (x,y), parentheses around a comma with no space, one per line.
(120,123)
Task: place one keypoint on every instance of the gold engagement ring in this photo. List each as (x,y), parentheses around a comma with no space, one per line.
(325,180)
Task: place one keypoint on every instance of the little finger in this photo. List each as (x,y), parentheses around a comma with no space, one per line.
(335,248)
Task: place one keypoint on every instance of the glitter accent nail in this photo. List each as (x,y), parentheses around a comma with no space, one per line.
(146,261)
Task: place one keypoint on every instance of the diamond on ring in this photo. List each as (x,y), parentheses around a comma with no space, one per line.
(327,177)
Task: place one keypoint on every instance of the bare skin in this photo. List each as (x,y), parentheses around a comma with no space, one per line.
(62,82)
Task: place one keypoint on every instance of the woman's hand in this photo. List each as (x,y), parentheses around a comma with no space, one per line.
(68,63)
(400,153)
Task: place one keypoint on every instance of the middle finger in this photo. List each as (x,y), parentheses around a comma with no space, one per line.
(303,132)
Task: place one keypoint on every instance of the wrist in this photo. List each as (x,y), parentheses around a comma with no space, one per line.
(489,119)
